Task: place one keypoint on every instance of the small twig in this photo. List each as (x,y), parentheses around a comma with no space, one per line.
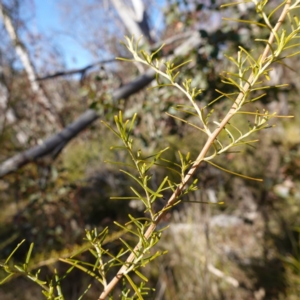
(220,274)
(75,71)
(167,41)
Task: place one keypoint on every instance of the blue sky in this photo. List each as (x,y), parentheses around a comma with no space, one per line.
(48,20)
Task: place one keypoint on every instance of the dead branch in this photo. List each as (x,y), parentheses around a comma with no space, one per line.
(81,71)
(57,142)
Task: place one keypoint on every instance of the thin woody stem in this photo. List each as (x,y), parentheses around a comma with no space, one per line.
(200,157)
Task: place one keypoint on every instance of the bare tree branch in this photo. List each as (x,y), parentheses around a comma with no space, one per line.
(55,143)
(167,41)
(75,71)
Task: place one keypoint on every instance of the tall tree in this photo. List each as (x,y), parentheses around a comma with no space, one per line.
(135,18)
(47,108)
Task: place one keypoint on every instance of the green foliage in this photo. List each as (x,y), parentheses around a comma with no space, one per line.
(22,269)
(246,81)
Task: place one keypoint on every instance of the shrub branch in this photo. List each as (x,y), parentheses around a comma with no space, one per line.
(264,62)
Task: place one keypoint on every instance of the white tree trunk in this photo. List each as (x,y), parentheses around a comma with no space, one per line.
(29,68)
(136,19)
(7,115)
